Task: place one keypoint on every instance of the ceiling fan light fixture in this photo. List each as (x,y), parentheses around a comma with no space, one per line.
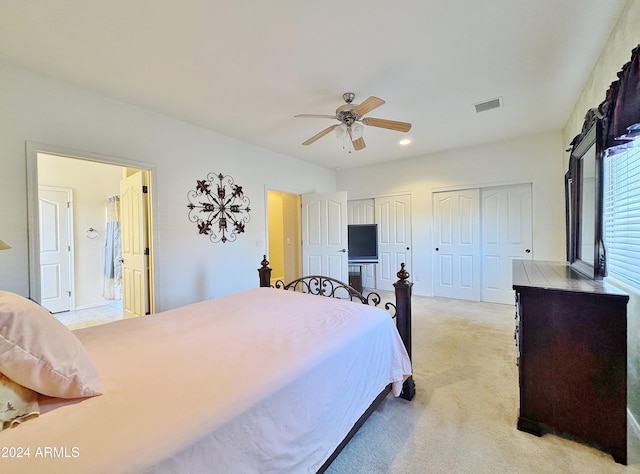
(341,131)
(357,129)
(405,141)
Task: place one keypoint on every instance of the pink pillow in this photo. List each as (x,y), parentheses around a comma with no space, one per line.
(39,352)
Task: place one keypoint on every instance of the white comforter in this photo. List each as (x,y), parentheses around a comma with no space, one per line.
(259,381)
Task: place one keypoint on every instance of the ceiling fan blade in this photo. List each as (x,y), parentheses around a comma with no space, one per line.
(368,105)
(315,116)
(358,144)
(390,124)
(317,136)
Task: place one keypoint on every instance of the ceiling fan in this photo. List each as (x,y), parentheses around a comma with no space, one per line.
(351,118)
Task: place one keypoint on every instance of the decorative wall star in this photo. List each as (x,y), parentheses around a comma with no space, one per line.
(221,214)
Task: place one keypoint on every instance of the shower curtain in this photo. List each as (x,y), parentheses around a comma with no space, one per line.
(112,289)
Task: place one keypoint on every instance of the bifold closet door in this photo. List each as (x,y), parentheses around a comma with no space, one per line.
(477,233)
(393,216)
(506,235)
(456,240)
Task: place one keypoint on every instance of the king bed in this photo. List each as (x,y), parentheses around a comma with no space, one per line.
(262,380)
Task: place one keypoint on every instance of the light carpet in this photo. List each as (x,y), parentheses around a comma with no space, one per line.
(463,418)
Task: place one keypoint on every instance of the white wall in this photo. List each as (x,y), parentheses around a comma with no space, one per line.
(191,268)
(617,52)
(537,159)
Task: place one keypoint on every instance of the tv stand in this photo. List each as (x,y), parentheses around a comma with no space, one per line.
(355,279)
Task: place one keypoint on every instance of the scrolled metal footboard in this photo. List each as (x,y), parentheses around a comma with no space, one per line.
(323,286)
(330,287)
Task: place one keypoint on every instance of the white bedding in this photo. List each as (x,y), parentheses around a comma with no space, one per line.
(259,381)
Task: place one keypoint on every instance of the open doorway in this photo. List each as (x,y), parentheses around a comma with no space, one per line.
(92,294)
(307,234)
(284,233)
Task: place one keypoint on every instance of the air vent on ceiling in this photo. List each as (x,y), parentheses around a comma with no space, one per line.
(488,105)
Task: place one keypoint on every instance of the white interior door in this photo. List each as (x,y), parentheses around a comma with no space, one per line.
(393,216)
(506,234)
(363,211)
(55,248)
(324,235)
(135,253)
(456,242)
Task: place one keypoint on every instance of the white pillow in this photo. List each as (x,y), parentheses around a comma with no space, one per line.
(39,352)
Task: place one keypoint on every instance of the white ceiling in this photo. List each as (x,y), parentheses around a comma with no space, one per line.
(245,68)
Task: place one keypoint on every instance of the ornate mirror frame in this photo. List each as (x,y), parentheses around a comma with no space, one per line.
(585,250)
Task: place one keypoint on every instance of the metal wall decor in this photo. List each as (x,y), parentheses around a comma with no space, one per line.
(220,213)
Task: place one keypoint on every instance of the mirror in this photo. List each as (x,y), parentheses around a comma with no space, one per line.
(584,195)
(587,205)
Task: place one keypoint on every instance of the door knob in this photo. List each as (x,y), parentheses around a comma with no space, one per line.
(528,250)
(343,250)
(407,248)
(437,249)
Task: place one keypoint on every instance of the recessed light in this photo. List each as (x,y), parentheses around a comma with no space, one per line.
(405,141)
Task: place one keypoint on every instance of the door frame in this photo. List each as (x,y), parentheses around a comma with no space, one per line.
(33,230)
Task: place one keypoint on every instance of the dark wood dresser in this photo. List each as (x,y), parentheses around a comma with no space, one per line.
(571,334)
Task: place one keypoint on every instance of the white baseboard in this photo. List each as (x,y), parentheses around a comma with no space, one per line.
(116,305)
(88,306)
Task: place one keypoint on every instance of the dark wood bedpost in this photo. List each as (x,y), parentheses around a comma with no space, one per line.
(265,273)
(403,322)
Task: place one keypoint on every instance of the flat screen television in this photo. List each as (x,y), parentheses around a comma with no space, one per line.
(363,243)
